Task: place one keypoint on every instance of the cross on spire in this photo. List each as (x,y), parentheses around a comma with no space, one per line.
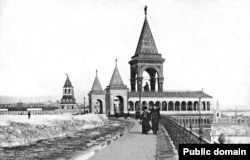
(145,10)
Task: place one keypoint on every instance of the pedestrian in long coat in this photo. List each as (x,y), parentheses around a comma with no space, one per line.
(155,118)
(29,115)
(145,118)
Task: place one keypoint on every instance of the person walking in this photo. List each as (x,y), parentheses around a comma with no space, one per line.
(29,115)
(155,118)
(145,118)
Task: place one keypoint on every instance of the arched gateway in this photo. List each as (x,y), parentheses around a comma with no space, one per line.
(116,94)
(97,97)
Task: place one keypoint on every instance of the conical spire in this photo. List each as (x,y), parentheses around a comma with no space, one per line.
(146,42)
(67,83)
(116,79)
(96,87)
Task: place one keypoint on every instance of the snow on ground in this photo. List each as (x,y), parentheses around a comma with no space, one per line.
(5,120)
(19,130)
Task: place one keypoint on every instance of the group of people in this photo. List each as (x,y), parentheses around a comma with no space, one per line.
(153,116)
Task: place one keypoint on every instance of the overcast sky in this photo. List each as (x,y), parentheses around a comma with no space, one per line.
(206,45)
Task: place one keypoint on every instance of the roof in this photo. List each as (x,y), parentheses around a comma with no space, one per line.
(96,87)
(146,44)
(68,97)
(116,79)
(172,94)
(67,83)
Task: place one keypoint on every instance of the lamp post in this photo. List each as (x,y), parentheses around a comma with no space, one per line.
(83,104)
(199,112)
(139,91)
(200,127)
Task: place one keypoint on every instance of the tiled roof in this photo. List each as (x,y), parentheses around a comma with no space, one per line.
(172,94)
(116,79)
(96,86)
(146,42)
(68,83)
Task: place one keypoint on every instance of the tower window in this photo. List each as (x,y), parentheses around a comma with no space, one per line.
(68,90)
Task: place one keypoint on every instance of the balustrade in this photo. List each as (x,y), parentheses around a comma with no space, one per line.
(57,111)
(180,133)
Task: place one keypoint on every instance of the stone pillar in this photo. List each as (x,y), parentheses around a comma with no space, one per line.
(160,84)
(103,106)
(139,84)
(112,112)
(152,84)
(125,107)
(132,83)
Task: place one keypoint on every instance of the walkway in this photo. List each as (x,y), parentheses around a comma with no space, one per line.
(136,146)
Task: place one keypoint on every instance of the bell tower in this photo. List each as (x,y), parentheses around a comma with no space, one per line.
(146,59)
(68,100)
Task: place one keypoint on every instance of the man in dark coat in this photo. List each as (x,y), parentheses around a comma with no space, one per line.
(145,118)
(155,118)
(29,115)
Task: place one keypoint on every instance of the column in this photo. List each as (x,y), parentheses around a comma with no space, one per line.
(112,112)
(180,106)
(139,84)
(132,83)
(174,106)
(160,84)
(160,106)
(125,107)
(103,106)
(152,84)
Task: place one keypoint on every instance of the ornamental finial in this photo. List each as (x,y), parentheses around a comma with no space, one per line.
(145,10)
(116,62)
(96,72)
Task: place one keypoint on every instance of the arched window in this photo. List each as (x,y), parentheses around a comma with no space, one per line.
(183,106)
(189,106)
(170,106)
(203,106)
(177,106)
(131,106)
(164,106)
(208,106)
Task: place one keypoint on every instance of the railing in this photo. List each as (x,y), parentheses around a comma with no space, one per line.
(230,120)
(179,134)
(57,111)
(186,112)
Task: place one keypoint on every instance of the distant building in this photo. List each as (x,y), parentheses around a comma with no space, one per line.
(19,104)
(5,105)
(217,112)
(68,100)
